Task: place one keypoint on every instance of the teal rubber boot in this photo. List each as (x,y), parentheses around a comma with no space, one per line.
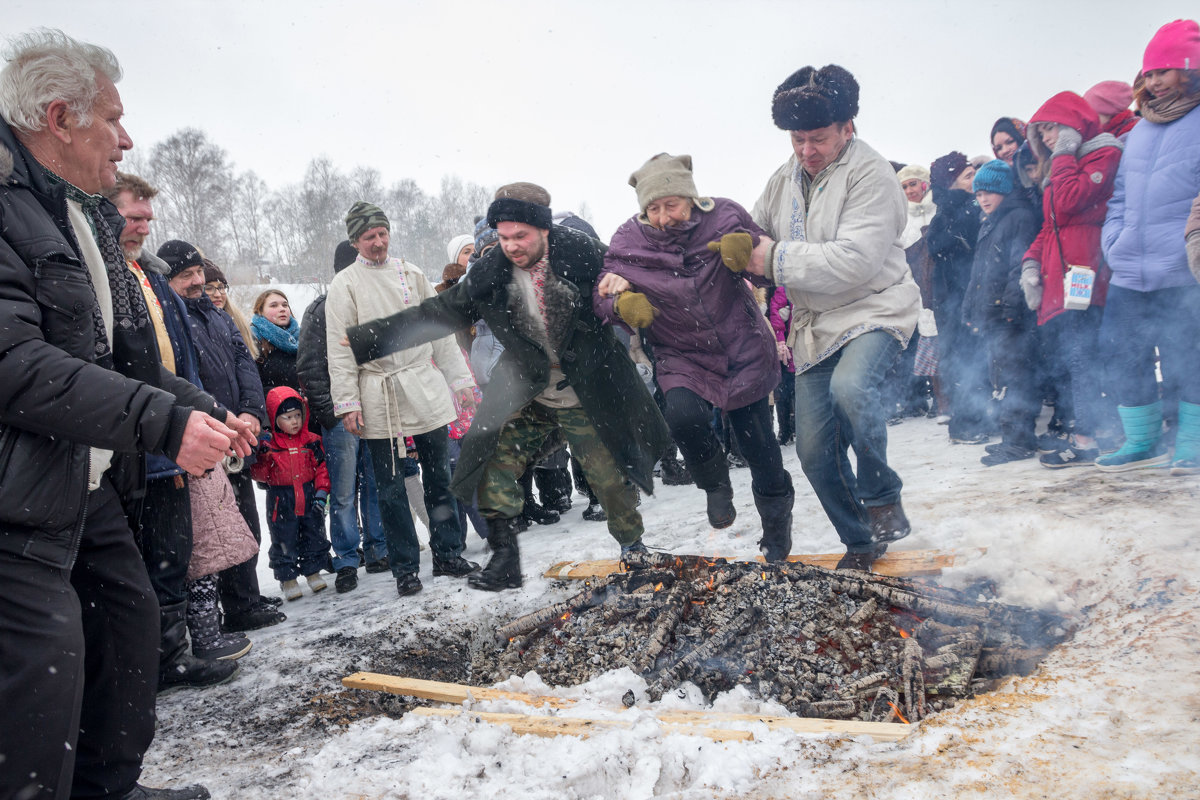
(1187,441)
(1143,446)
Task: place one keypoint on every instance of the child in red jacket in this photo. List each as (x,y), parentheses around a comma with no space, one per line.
(291,462)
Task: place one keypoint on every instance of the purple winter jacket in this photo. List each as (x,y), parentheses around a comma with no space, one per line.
(709,336)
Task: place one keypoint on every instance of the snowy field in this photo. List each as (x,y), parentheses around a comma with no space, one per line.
(1112,713)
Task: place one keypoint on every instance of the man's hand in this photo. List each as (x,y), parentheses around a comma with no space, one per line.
(205,442)
(612,284)
(784,352)
(252,421)
(466,398)
(244,438)
(352,422)
(758,256)
(735,250)
(635,309)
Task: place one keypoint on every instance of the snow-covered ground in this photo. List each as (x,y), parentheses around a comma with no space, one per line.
(1113,712)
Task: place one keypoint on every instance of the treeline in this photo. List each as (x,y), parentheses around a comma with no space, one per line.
(262,235)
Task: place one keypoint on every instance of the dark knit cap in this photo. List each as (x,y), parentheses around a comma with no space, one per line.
(289,404)
(362,217)
(521,202)
(946,169)
(814,98)
(343,256)
(1010,125)
(994,176)
(180,255)
(484,235)
(212,273)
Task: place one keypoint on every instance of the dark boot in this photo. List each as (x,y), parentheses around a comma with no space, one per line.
(503,571)
(713,477)
(787,433)
(554,487)
(776,516)
(532,511)
(674,471)
(193,792)
(177,668)
(888,523)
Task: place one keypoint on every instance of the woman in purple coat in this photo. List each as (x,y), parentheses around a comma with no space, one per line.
(712,346)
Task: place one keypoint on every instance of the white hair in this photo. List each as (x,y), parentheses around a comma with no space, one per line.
(46,65)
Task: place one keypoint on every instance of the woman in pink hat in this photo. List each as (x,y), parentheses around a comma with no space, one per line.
(1153,298)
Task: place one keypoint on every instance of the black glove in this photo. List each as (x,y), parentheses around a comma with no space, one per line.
(320,500)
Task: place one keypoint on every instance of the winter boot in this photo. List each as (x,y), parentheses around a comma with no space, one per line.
(595,512)
(346,580)
(786,419)
(713,477)
(503,571)
(316,583)
(532,511)
(554,487)
(291,589)
(674,471)
(776,515)
(1187,441)
(1143,446)
(888,523)
(204,624)
(177,668)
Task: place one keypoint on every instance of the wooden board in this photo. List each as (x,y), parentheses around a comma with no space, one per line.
(900,564)
(689,722)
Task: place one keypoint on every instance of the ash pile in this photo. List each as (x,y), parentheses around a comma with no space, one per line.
(833,645)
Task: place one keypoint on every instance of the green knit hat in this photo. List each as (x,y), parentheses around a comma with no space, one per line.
(362,217)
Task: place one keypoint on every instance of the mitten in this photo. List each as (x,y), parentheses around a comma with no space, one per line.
(319,501)
(735,250)
(1031,283)
(635,309)
(784,313)
(1068,142)
(926,324)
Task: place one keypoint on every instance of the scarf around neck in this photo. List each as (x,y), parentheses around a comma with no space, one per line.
(1168,108)
(285,339)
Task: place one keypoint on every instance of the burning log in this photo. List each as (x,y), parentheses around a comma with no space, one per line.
(551,614)
(681,668)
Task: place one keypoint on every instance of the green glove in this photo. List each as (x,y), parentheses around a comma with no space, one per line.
(734,249)
(635,309)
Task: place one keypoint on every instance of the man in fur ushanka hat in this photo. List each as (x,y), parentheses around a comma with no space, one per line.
(562,368)
(834,214)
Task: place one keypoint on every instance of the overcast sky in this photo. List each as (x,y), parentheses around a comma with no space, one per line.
(577,95)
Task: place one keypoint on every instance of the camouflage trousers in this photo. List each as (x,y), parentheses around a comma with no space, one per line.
(500,492)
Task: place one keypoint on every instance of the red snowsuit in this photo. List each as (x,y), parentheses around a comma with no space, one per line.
(291,460)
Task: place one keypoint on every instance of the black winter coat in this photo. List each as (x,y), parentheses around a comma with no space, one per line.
(227,369)
(994,296)
(312,365)
(56,399)
(595,364)
(951,238)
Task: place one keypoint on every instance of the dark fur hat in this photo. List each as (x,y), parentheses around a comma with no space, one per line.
(814,98)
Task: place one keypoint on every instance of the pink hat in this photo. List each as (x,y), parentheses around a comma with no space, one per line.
(1109,97)
(1175,46)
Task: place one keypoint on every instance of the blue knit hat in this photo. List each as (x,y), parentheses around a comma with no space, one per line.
(994,176)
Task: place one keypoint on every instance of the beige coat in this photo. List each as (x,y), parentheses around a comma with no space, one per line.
(406,393)
(841,261)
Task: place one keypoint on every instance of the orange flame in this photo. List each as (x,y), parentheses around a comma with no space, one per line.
(898,714)
(903,633)
(566,616)
(764,575)
(658,587)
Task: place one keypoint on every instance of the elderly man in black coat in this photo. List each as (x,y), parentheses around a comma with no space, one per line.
(561,368)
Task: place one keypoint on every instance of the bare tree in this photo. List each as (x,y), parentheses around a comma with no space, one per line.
(194,178)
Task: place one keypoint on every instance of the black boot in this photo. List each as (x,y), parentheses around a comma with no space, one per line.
(554,487)
(503,571)
(178,668)
(713,477)
(674,471)
(594,512)
(776,516)
(532,511)
(787,431)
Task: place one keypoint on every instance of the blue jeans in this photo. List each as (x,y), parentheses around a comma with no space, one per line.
(1078,342)
(1135,323)
(838,407)
(353,500)
(446,537)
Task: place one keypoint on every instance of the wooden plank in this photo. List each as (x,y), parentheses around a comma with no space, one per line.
(578,726)
(899,564)
(444,692)
(698,719)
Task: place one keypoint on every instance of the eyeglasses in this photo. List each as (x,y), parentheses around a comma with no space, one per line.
(216,288)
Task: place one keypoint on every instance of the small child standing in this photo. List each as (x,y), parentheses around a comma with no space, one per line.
(994,308)
(291,462)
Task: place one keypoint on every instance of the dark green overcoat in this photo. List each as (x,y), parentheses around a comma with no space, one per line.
(595,363)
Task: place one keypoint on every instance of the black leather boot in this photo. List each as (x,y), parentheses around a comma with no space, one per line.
(776,516)
(503,571)
(178,668)
(713,477)
(554,487)
(674,472)
(533,512)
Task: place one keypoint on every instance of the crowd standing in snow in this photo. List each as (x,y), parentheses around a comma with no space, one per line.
(139,407)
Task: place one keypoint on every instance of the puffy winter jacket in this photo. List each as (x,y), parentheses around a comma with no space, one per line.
(312,365)
(294,461)
(1074,203)
(226,367)
(1158,178)
(994,296)
(57,399)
